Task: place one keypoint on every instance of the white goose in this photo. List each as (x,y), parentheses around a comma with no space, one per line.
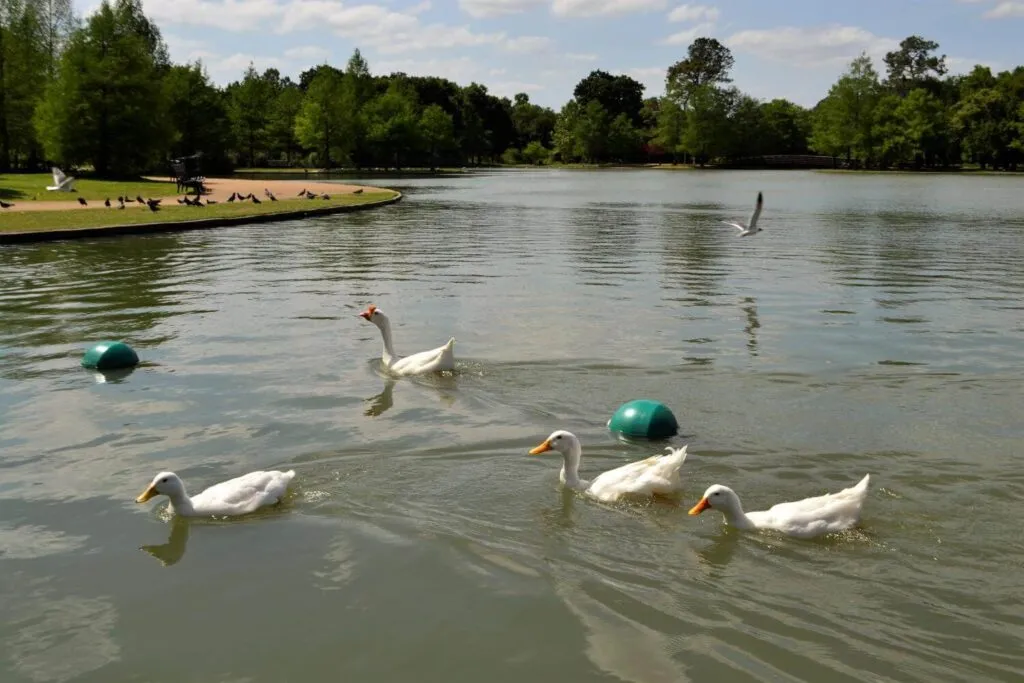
(807,518)
(656,476)
(751,228)
(441,358)
(237,496)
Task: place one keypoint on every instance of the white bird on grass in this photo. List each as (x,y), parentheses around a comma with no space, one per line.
(751,228)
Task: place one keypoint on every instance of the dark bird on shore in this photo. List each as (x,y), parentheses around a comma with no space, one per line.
(139,199)
(326,196)
(120,199)
(234,195)
(311,195)
(255,199)
(181,201)
(359,191)
(303,192)
(106,202)
(153,204)
(121,205)
(82,201)
(210,201)
(271,195)
(153,201)
(5,205)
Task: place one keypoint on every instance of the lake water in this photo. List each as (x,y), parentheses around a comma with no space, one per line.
(876,325)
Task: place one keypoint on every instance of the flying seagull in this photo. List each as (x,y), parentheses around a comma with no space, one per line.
(751,229)
(61,182)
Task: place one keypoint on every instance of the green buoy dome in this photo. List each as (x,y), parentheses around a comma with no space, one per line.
(110,356)
(644,418)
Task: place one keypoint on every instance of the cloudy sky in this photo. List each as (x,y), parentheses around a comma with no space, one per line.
(783,48)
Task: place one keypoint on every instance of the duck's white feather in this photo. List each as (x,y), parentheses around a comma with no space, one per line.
(243,494)
(657,475)
(421,363)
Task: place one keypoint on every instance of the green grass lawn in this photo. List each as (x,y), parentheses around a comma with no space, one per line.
(27,187)
(42,221)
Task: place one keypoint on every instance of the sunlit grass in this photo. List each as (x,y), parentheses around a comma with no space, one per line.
(73,217)
(27,187)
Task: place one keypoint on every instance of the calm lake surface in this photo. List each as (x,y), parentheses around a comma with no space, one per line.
(877,325)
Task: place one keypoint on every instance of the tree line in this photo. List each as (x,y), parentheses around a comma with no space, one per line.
(103,93)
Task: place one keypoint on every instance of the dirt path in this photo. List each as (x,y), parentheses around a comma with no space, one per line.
(219,190)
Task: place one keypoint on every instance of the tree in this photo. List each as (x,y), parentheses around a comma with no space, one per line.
(281,124)
(624,140)
(56,22)
(250,102)
(532,123)
(707,62)
(197,115)
(616,94)
(671,125)
(324,120)
(567,145)
(907,129)
(392,123)
(707,122)
(786,127)
(843,122)
(22,70)
(982,119)
(107,106)
(438,132)
(536,153)
(913,64)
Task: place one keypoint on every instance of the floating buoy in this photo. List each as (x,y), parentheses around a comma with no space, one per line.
(644,418)
(110,356)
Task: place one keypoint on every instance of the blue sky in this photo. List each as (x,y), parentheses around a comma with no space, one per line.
(783,48)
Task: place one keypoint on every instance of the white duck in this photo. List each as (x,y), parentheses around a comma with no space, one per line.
(807,518)
(441,358)
(655,476)
(237,496)
(751,228)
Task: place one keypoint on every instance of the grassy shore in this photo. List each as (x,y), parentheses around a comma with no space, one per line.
(276,170)
(28,187)
(44,221)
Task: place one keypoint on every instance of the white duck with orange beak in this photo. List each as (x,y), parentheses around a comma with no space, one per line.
(656,476)
(807,518)
(434,360)
(238,496)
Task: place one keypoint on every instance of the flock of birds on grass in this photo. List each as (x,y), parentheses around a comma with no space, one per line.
(154,204)
(654,478)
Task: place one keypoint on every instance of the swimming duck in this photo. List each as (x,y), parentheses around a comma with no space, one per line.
(807,518)
(441,358)
(656,476)
(238,496)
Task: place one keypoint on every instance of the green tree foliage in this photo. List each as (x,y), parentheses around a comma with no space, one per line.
(197,115)
(107,106)
(249,108)
(106,94)
(707,62)
(616,94)
(325,118)
(844,121)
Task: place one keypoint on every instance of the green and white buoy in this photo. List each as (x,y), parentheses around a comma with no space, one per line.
(110,356)
(644,418)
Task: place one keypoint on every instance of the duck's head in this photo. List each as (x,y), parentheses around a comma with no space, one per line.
(164,484)
(374,315)
(719,497)
(562,441)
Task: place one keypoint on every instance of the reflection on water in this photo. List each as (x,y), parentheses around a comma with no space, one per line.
(171,552)
(874,326)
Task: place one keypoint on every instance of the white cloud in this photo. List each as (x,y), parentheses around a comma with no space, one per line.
(496,8)
(686,36)
(227,15)
(809,46)
(527,44)
(594,8)
(694,13)
(1005,10)
(581,56)
(307,53)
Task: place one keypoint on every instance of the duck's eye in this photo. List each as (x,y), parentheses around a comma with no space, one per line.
(558,437)
(164,480)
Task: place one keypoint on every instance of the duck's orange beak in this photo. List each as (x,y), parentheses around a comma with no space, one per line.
(147,494)
(543,448)
(700,507)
